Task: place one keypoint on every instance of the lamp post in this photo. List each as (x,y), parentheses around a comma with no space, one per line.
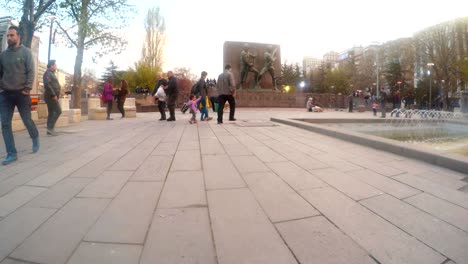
(52,19)
(430,64)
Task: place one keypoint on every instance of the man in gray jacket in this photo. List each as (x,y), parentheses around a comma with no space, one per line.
(227,92)
(16,80)
(51,96)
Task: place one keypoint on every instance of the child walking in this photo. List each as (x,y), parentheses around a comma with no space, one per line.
(193,106)
(375,105)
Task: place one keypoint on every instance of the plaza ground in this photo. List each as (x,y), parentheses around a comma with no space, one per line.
(251,191)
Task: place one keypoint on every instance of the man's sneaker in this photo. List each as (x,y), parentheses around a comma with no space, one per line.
(51,132)
(170,119)
(9,159)
(220,122)
(209,118)
(109,118)
(232,119)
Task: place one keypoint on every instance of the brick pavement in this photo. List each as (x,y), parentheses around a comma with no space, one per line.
(251,191)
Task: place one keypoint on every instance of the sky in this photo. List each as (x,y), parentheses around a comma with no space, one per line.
(197,30)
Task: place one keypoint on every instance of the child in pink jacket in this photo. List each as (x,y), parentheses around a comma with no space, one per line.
(193,106)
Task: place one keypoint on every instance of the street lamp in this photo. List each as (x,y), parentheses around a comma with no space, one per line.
(430,64)
(52,19)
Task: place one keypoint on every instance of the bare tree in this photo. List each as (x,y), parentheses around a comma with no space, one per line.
(92,23)
(155,38)
(32,11)
(438,45)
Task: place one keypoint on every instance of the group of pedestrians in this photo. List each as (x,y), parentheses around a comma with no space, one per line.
(17,72)
(166,92)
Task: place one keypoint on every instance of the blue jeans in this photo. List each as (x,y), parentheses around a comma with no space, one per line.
(8,101)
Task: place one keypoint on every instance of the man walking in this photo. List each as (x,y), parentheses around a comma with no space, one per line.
(227,92)
(16,80)
(160,100)
(172,92)
(51,96)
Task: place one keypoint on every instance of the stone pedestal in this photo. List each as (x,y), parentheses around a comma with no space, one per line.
(130,107)
(62,121)
(17,122)
(95,111)
(42,110)
(74,115)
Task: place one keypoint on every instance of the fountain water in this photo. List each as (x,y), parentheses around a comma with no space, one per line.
(423,125)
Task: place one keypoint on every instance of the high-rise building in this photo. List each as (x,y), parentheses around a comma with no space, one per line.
(310,63)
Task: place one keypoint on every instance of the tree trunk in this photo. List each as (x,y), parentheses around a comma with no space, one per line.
(76,91)
(27,23)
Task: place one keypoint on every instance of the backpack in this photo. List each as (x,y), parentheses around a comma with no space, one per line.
(195,90)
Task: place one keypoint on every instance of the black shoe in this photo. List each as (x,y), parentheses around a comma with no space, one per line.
(171,119)
(161,119)
(220,122)
(232,119)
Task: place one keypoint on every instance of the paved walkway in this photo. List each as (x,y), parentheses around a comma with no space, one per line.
(251,191)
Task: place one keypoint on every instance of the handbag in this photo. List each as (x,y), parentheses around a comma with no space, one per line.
(103,97)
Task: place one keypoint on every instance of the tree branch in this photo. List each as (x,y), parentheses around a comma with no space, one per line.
(66,34)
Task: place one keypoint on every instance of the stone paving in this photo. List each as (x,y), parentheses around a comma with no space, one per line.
(251,191)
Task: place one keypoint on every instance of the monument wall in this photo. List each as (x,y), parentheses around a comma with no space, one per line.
(232,53)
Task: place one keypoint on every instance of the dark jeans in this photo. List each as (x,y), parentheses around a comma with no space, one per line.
(161,108)
(109,108)
(8,101)
(120,106)
(213,100)
(222,101)
(171,101)
(54,111)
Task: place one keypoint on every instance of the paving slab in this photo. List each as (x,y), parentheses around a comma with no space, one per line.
(295,176)
(13,261)
(237,150)
(242,232)
(108,185)
(94,168)
(166,148)
(441,209)
(451,181)
(127,218)
(316,240)
(189,145)
(25,176)
(377,167)
(306,162)
(279,200)
(345,183)
(384,241)
(453,196)
(62,231)
(19,225)
(266,154)
(179,236)
(57,174)
(384,183)
(186,160)
(17,198)
(155,168)
(211,147)
(131,160)
(445,238)
(249,164)
(220,173)
(183,189)
(106,254)
(59,194)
